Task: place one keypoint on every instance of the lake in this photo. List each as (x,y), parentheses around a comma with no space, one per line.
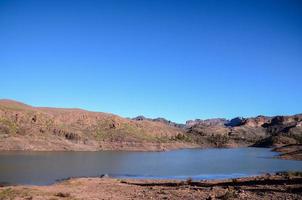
(41,168)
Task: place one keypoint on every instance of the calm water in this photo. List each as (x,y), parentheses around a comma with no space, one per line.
(46,167)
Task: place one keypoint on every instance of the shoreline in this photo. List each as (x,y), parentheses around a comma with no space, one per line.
(286,152)
(267,186)
(289,152)
(28,144)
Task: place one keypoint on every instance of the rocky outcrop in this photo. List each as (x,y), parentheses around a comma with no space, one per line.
(66,134)
(260,131)
(168,122)
(159,119)
(257,121)
(250,122)
(207,122)
(238,121)
(281,124)
(140,118)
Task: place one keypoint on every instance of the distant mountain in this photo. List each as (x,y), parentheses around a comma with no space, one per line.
(207,122)
(23,127)
(262,131)
(159,119)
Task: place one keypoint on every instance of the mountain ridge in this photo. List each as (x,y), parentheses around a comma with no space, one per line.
(25,127)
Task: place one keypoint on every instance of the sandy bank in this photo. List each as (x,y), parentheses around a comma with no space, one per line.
(282,186)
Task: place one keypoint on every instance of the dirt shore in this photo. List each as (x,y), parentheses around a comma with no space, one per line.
(281,186)
(27,143)
(290,152)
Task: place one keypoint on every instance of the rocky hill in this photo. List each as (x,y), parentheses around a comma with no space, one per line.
(159,119)
(260,131)
(23,127)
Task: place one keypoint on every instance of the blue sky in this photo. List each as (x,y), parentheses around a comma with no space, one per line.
(175,59)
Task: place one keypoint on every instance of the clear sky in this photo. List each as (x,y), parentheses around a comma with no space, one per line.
(175,59)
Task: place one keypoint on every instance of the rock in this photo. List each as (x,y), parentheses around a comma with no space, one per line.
(139,118)
(238,121)
(159,119)
(280,124)
(257,121)
(34,119)
(210,197)
(207,122)
(72,136)
(277,120)
(62,194)
(104,176)
(168,122)
(16,117)
(112,125)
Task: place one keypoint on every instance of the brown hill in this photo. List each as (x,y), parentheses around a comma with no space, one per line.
(23,127)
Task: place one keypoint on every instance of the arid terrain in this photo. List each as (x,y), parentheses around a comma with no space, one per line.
(23,127)
(281,186)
